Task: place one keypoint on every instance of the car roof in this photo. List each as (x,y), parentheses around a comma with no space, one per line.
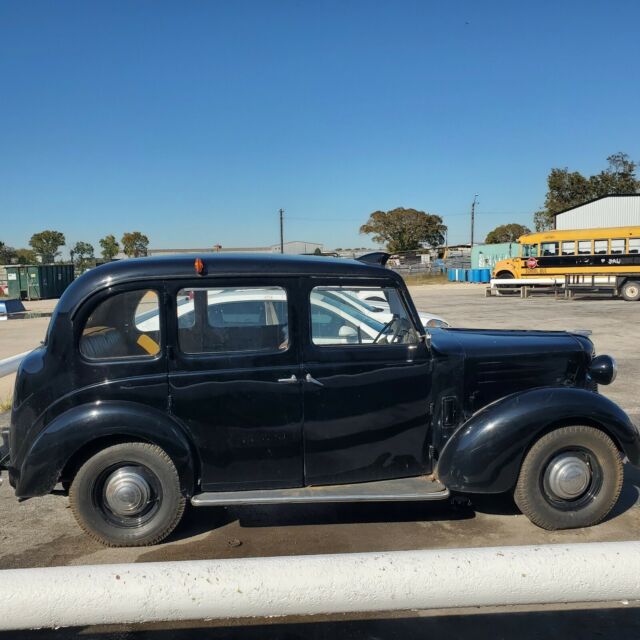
(228,265)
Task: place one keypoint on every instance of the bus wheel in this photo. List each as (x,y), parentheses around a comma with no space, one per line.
(507,290)
(631,290)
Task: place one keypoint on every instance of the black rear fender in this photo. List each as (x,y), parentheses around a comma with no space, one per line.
(485,454)
(82,428)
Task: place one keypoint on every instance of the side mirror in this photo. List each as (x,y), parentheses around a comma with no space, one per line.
(348,332)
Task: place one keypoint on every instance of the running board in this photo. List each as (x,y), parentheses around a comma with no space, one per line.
(420,488)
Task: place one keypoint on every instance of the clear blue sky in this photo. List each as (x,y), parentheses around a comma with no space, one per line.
(195,121)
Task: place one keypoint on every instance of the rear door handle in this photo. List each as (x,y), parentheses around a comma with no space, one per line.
(291,380)
(312,380)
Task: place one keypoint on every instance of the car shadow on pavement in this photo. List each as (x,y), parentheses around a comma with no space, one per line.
(596,622)
(204,519)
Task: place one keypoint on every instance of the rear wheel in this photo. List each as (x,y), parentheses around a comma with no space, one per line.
(631,290)
(571,477)
(127,495)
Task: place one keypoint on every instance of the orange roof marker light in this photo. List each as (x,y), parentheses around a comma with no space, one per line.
(199,266)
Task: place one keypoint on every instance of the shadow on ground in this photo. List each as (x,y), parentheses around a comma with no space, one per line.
(586,624)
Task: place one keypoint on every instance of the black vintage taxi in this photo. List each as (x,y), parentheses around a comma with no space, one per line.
(226,380)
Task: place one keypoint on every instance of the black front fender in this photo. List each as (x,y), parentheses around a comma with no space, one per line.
(484,455)
(72,430)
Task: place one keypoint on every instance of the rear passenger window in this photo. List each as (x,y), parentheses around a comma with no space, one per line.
(568,248)
(232,320)
(123,326)
(634,245)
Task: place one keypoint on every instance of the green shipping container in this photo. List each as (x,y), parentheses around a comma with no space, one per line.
(40,281)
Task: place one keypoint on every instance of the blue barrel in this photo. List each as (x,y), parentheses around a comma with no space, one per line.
(459,275)
(451,275)
(485,275)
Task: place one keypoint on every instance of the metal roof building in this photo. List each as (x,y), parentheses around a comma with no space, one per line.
(607,211)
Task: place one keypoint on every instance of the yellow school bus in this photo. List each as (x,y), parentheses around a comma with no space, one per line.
(612,253)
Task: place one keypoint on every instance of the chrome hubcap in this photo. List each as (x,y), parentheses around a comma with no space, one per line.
(632,291)
(568,476)
(127,492)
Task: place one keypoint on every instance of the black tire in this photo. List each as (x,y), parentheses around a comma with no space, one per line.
(147,476)
(507,290)
(595,452)
(631,290)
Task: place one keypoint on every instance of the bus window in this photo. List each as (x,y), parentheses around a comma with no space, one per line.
(529,250)
(584,247)
(634,245)
(617,245)
(549,249)
(600,246)
(568,248)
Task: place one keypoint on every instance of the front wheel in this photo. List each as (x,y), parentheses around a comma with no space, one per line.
(127,495)
(571,477)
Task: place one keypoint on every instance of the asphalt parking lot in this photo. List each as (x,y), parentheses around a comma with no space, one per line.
(42,532)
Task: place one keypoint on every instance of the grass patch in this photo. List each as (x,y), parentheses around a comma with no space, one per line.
(425,278)
(5,405)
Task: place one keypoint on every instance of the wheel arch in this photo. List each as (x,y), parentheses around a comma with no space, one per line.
(484,455)
(75,435)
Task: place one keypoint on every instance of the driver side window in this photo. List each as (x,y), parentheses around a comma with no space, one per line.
(354,316)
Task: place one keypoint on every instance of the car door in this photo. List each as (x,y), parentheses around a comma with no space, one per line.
(366,402)
(234,380)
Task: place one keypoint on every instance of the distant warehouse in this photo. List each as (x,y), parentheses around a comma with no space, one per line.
(607,211)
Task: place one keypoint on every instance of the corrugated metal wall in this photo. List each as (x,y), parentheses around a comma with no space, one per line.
(614,211)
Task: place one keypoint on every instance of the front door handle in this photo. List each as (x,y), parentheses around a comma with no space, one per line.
(291,380)
(312,380)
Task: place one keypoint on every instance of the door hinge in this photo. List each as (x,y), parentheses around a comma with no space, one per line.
(433,454)
(169,403)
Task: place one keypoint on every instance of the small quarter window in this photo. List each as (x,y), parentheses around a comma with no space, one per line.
(341,316)
(549,249)
(529,250)
(232,320)
(600,247)
(617,245)
(126,325)
(568,248)
(584,247)
(634,245)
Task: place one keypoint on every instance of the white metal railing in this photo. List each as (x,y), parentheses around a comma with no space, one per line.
(10,365)
(307,585)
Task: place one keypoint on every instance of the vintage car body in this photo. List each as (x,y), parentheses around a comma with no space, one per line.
(411,417)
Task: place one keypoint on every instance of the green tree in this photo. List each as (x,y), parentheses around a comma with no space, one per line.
(506,233)
(567,189)
(82,255)
(110,247)
(317,251)
(26,256)
(7,254)
(47,243)
(405,229)
(135,244)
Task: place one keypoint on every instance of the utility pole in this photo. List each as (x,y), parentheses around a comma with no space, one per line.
(473,215)
(281,230)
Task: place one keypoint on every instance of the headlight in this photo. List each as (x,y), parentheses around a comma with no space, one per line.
(603,369)
(435,322)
